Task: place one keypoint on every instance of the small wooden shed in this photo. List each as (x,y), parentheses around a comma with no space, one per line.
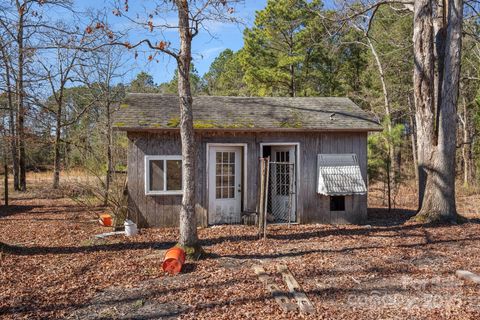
(317,146)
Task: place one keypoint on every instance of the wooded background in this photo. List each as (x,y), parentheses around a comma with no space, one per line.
(61,82)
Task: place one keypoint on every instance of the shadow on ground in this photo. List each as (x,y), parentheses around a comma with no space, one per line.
(11,210)
(40,250)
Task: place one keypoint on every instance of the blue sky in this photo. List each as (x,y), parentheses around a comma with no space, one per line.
(206,45)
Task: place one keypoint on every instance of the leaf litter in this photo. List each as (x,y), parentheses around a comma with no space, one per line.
(53,267)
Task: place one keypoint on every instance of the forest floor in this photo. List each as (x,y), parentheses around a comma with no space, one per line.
(51,266)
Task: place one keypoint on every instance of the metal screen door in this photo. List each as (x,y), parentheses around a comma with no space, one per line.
(282,206)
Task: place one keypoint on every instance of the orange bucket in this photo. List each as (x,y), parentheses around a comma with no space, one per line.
(174,260)
(106,220)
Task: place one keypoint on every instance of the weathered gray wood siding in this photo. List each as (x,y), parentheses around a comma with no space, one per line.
(164,210)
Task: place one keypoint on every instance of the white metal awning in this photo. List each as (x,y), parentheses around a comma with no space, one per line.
(339,174)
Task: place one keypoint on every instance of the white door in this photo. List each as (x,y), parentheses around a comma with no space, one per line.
(283,205)
(224,185)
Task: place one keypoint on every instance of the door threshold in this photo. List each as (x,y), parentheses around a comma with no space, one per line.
(282,223)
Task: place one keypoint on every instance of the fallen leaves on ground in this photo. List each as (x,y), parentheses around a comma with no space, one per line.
(51,266)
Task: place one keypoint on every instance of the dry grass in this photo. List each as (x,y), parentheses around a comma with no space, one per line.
(468,198)
(39,185)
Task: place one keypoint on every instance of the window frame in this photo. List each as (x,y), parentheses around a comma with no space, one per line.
(147,164)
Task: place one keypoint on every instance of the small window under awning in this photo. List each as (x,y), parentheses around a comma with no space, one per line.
(339,174)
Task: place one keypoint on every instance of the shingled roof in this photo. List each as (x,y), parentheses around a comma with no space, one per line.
(142,111)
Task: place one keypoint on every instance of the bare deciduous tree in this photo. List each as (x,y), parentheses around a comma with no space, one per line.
(24,21)
(10,92)
(58,74)
(105,67)
(437,47)
(436,85)
(191,17)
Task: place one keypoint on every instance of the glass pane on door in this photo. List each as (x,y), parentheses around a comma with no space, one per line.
(225,175)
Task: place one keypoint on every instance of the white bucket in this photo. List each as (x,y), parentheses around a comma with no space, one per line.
(130,228)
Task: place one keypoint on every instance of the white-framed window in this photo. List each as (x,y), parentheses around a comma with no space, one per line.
(163,175)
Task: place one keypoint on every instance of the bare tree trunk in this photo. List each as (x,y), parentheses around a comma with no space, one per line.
(108,177)
(437,160)
(465,143)
(5,168)
(466,164)
(413,136)
(292,85)
(292,81)
(471,163)
(391,174)
(13,145)
(66,149)
(389,185)
(439,31)
(11,110)
(58,136)
(423,88)
(188,221)
(20,100)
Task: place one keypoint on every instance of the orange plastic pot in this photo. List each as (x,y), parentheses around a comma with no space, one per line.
(106,220)
(174,260)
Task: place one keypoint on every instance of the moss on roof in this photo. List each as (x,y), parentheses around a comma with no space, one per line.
(152,111)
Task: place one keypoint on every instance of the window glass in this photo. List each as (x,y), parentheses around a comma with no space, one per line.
(157,175)
(174,175)
(163,175)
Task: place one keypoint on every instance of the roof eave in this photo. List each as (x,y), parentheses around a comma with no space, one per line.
(146,129)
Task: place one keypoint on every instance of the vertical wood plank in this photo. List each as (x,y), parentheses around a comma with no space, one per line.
(308,175)
(132,179)
(252,174)
(141,203)
(363,161)
(201,186)
(150,205)
(311,207)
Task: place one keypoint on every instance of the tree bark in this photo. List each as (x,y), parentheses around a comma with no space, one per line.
(439,30)
(188,222)
(12,120)
(292,81)
(20,99)
(5,171)
(108,177)
(423,88)
(413,136)
(437,160)
(466,144)
(58,136)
